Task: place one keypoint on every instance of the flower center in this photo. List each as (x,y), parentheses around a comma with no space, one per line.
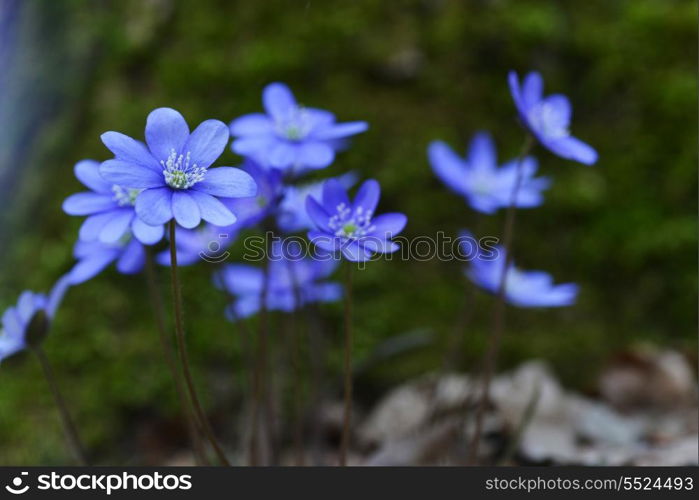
(178,172)
(549,120)
(125,197)
(348,224)
(296,125)
(261,201)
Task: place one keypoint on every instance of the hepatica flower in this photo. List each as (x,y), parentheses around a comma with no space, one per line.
(478,178)
(109,207)
(17,319)
(548,118)
(351,227)
(292,282)
(522,288)
(172,171)
(290,135)
(94,256)
(292,216)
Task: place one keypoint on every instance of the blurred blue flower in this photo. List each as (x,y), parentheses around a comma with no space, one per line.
(522,288)
(478,178)
(290,136)
(16,319)
(292,216)
(94,256)
(351,228)
(205,243)
(109,207)
(292,278)
(173,171)
(548,118)
(250,210)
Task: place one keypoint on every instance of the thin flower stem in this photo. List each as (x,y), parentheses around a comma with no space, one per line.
(182,350)
(455,341)
(69,428)
(498,324)
(296,368)
(171,361)
(347,420)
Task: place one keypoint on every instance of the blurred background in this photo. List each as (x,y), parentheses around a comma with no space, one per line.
(416,70)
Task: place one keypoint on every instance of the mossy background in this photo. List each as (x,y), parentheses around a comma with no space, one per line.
(416,70)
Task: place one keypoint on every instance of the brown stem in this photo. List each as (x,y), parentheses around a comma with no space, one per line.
(498,325)
(170,360)
(182,350)
(71,432)
(347,420)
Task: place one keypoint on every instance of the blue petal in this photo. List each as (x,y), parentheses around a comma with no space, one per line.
(91,227)
(481,152)
(252,124)
(334,195)
(117,226)
(513,82)
(12,324)
(532,89)
(130,175)
(211,209)
(282,154)
(315,155)
(559,111)
(56,295)
(278,100)
(227,182)
(354,252)
(377,245)
(146,234)
(572,148)
(388,225)
(324,241)
(154,206)
(249,146)
(88,203)
(240,279)
(446,165)
(340,130)
(185,210)
(317,214)
(166,130)
(207,142)
(88,172)
(129,150)
(132,259)
(90,267)
(367,196)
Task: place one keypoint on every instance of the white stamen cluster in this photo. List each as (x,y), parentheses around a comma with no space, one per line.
(179,174)
(295,125)
(125,197)
(346,224)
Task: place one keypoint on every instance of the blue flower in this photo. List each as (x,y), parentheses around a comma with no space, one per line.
(351,228)
(94,256)
(207,242)
(16,319)
(292,216)
(478,178)
(522,288)
(250,210)
(291,279)
(290,136)
(173,171)
(109,207)
(548,118)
